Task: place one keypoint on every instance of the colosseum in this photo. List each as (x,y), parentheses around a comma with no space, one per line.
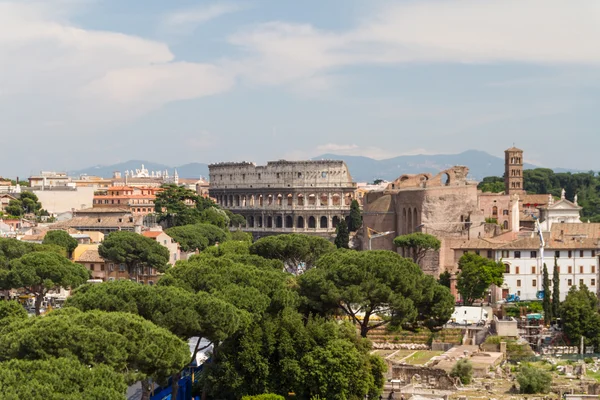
(285,196)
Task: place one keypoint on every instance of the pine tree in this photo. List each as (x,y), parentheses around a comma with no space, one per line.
(355,218)
(546,303)
(342,235)
(556,290)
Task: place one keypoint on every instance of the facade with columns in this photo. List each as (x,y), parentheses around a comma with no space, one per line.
(285,196)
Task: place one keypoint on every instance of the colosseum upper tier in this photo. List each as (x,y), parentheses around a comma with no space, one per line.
(285,196)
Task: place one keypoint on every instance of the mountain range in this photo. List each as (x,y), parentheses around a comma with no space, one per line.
(362,169)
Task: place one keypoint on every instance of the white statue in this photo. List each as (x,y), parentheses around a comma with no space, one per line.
(575,200)
(562,194)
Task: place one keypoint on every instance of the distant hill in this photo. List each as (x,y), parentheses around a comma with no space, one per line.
(364,169)
(192,170)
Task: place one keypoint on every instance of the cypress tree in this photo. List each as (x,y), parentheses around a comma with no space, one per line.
(555,290)
(355,220)
(546,303)
(342,236)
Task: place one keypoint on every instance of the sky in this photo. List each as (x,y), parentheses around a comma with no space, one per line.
(86,82)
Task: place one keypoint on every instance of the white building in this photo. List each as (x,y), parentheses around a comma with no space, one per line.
(562,211)
(575,247)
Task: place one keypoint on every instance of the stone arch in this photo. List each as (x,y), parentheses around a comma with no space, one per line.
(279,221)
(251,221)
(323,199)
(336,199)
(260,200)
(259,222)
(269,221)
(415,222)
(230,200)
(237,200)
(505,224)
(300,200)
(252,201)
(289,221)
(409,228)
(404,221)
(312,199)
(312,222)
(279,199)
(300,222)
(445,179)
(323,222)
(290,200)
(243,201)
(270,200)
(348,199)
(335,221)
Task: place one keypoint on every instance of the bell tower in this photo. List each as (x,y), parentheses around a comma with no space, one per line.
(513,171)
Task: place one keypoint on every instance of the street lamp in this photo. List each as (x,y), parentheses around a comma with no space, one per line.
(376,234)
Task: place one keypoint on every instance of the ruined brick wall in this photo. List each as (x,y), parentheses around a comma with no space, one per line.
(434,377)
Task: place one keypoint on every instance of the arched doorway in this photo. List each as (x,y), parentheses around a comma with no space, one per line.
(335,221)
(279,222)
(323,223)
(300,223)
(312,222)
(269,222)
(289,221)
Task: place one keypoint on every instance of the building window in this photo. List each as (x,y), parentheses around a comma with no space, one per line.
(101,267)
(569,282)
(533,270)
(534,283)
(570,254)
(581,282)
(122,267)
(477,252)
(494,211)
(533,254)
(489,254)
(518,283)
(593,282)
(506,269)
(111,267)
(504,253)
(581,269)
(580,253)
(504,212)
(558,269)
(91,267)
(517,254)
(517,270)
(593,268)
(593,253)
(557,254)
(569,270)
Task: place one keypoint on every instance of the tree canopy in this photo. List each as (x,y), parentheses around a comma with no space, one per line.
(27,203)
(547,301)
(342,236)
(39,272)
(135,251)
(177,205)
(62,239)
(476,275)
(298,252)
(579,313)
(59,379)
(375,283)
(197,236)
(11,310)
(355,219)
(417,244)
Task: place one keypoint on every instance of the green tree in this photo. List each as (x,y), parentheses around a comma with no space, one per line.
(135,251)
(445,278)
(533,380)
(579,313)
(11,310)
(59,379)
(15,208)
(214,216)
(373,283)
(235,220)
(197,236)
(547,301)
(463,369)
(266,396)
(476,275)
(295,250)
(241,236)
(355,220)
(417,244)
(39,272)
(342,236)
(62,239)
(555,290)
(230,247)
(181,312)
(492,184)
(127,343)
(27,203)
(177,205)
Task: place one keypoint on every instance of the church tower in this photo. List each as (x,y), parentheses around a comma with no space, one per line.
(513,171)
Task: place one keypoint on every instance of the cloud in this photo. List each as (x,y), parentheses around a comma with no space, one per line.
(186,20)
(549,32)
(357,150)
(58,71)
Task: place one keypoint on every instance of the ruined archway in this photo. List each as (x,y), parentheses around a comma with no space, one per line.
(300,223)
(289,221)
(323,223)
(312,222)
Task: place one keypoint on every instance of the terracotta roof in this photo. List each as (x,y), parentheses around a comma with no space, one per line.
(567,231)
(93,222)
(152,234)
(528,243)
(34,238)
(538,199)
(477,244)
(102,210)
(513,149)
(91,255)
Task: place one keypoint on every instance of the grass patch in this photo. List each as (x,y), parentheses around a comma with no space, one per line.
(422,356)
